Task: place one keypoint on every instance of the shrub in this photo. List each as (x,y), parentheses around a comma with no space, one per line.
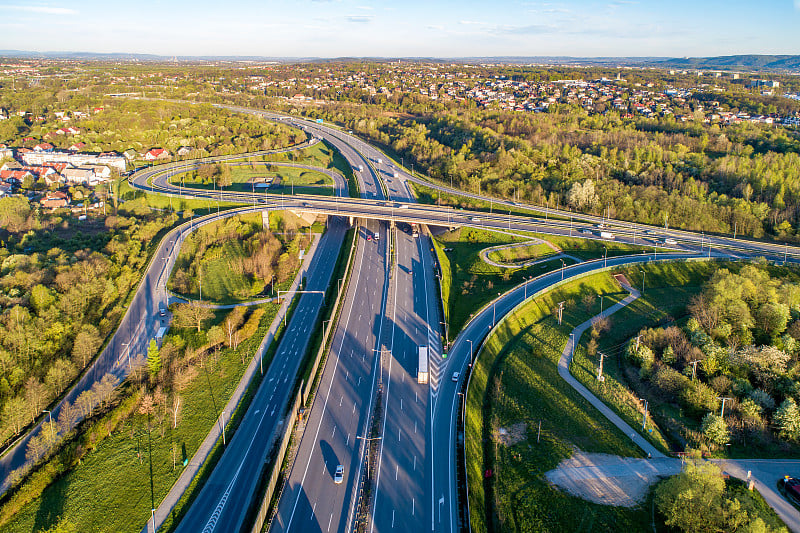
(715,429)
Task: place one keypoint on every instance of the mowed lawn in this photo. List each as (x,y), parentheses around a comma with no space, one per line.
(521,253)
(467,281)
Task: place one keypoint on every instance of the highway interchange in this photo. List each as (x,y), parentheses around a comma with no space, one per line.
(391,309)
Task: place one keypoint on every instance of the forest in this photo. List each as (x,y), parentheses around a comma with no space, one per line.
(741,346)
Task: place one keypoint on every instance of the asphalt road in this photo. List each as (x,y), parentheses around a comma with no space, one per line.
(310,500)
(224,501)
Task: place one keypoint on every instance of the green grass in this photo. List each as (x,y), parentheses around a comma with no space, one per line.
(287,180)
(136,200)
(110,489)
(516,380)
(588,249)
(520,254)
(468,282)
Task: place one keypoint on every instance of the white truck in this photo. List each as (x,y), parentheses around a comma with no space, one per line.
(606,235)
(422,369)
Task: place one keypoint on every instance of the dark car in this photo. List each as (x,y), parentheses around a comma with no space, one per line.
(791,487)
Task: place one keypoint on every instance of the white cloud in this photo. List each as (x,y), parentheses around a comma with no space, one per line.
(797,4)
(46,10)
(361,19)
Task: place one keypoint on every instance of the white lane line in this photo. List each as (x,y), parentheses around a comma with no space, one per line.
(392,518)
(412,506)
(347,443)
(396,471)
(324,407)
(415,463)
(329,522)
(354,407)
(333,432)
(341,400)
(401,404)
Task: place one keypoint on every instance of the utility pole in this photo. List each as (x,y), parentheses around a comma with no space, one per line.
(643,278)
(644,417)
(560,311)
(222,426)
(722,409)
(562,271)
(694,368)
(600,376)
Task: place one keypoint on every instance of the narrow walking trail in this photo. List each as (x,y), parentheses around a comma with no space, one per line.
(563,370)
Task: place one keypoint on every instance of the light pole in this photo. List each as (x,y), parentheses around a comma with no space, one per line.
(222,426)
(367,440)
(722,409)
(605,256)
(643,278)
(471,353)
(562,269)
(644,417)
(601,304)
(572,342)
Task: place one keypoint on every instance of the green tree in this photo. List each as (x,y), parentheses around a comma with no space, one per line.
(715,429)
(153,359)
(691,500)
(788,418)
(87,342)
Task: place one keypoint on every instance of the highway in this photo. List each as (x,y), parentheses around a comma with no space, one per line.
(311,500)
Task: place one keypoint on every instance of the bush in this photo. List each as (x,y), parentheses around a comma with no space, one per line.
(715,429)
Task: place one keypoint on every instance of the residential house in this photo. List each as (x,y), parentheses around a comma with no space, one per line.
(6,152)
(185,150)
(78,175)
(11,165)
(77,147)
(130,154)
(14,177)
(156,153)
(43,147)
(54,200)
(5,190)
(101,172)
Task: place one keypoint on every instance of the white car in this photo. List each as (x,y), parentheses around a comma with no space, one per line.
(338,477)
(455,376)
(670,241)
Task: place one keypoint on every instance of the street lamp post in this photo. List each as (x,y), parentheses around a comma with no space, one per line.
(643,278)
(471,352)
(605,256)
(222,426)
(562,269)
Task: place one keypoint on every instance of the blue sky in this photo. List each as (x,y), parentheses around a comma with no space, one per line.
(333,28)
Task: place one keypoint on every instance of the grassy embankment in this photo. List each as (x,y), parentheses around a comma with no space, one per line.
(224,280)
(516,380)
(109,490)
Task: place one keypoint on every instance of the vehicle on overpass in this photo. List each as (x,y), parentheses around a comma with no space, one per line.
(422,368)
(606,235)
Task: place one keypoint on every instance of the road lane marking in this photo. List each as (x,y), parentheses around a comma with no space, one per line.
(341,400)
(396,471)
(329,522)
(415,463)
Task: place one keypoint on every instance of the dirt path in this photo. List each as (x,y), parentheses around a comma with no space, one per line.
(610,479)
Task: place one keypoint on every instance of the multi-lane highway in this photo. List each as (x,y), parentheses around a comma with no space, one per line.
(340,416)
(392,313)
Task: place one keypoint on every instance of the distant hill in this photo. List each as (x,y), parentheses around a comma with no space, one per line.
(750,62)
(744,62)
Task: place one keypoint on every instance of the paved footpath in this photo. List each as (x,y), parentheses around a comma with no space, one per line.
(764,472)
(563,370)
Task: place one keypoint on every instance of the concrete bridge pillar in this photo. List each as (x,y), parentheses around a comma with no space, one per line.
(265,219)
